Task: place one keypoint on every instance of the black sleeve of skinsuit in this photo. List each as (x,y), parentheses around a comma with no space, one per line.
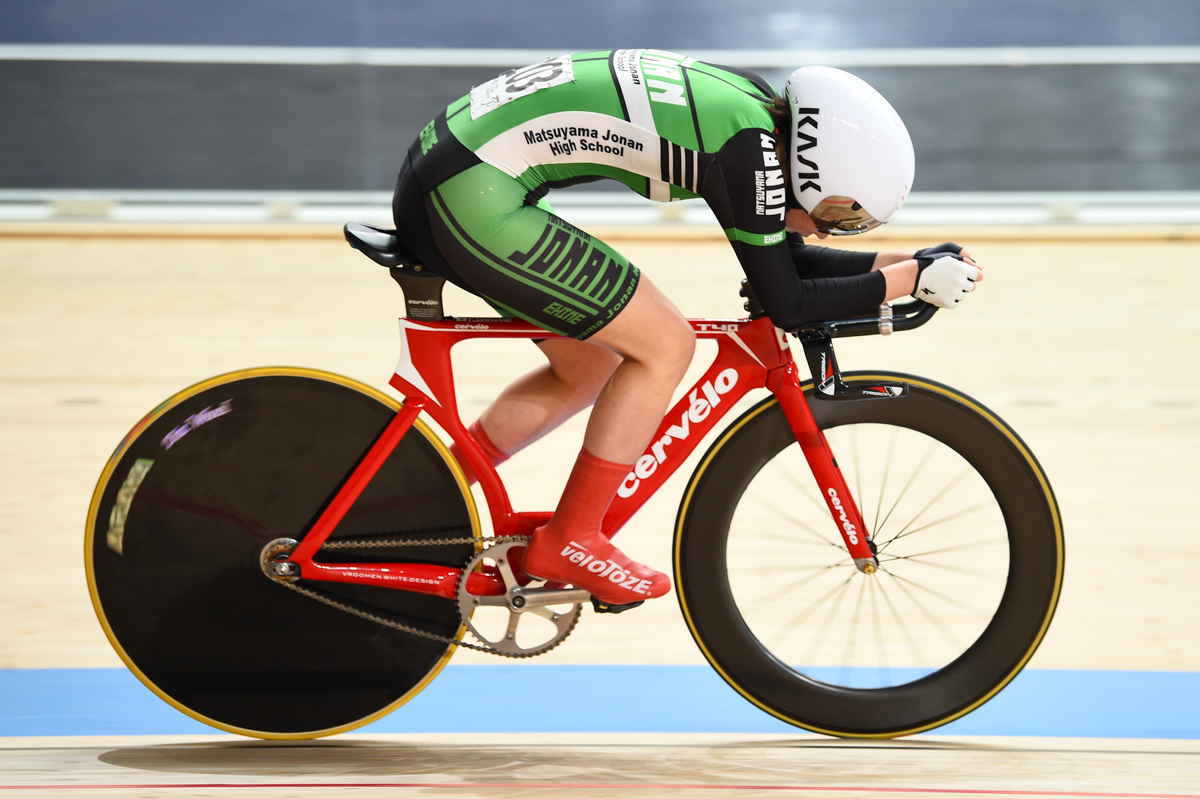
(733,187)
(813,261)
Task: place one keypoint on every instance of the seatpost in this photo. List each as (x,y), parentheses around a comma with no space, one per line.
(422,293)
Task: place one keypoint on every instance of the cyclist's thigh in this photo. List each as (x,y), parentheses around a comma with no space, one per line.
(524,259)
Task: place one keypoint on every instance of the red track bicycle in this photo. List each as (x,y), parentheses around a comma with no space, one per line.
(286,553)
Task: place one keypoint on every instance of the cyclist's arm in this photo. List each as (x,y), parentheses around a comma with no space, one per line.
(737,185)
(813,260)
(883,259)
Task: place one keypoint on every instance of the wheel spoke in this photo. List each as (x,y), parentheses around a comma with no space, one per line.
(805,567)
(799,619)
(908,528)
(902,625)
(783,514)
(769,536)
(912,478)
(877,623)
(982,575)
(826,623)
(763,601)
(803,488)
(852,638)
(883,479)
(933,618)
(855,461)
(990,542)
(904,581)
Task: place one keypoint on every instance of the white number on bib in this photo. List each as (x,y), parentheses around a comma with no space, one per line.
(519,83)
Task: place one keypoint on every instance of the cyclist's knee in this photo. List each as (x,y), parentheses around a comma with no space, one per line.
(668,348)
(678,343)
(652,331)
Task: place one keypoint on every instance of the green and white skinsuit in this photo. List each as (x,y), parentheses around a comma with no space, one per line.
(471,196)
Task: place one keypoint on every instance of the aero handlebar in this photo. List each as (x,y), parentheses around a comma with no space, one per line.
(889,318)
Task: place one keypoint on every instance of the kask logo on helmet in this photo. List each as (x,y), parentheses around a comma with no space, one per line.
(805,141)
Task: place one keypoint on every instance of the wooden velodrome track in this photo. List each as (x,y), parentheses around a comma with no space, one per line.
(1084,341)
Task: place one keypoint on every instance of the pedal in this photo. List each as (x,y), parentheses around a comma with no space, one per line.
(604,607)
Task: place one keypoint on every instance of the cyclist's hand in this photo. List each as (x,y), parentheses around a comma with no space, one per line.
(949,248)
(945,279)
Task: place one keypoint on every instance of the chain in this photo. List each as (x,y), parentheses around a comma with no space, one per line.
(376,543)
(392,623)
(386,622)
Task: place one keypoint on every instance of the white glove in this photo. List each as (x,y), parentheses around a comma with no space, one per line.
(944,280)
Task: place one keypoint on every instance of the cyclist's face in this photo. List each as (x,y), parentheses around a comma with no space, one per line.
(798,221)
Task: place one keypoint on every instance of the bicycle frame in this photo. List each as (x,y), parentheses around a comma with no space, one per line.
(751,354)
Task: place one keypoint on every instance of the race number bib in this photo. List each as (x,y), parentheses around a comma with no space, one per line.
(519,83)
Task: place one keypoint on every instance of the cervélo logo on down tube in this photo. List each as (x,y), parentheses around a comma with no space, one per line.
(699,407)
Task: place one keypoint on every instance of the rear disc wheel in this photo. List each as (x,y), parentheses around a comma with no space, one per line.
(176,535)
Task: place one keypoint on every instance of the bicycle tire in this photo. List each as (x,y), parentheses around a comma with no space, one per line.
(190,498)
(871,656)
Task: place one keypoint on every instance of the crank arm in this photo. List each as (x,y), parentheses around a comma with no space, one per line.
(526,598)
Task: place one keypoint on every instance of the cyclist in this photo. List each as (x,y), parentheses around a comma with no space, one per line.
(830,156)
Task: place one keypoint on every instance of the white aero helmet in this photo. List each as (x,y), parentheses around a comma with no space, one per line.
(851,158)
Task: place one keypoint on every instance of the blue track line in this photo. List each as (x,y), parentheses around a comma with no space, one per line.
(664,699)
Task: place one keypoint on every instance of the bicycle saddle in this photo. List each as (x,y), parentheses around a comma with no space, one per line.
(422,287)
(379,244)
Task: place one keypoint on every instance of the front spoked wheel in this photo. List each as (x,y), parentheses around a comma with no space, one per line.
(970,551)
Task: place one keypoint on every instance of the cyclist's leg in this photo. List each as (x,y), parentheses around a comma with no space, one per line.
(541,400)
(530,263)
(579,372)
(656,345)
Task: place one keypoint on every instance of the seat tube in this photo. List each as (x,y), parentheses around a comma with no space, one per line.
(784,383)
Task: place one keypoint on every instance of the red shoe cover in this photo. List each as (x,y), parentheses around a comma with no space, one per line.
(590,562)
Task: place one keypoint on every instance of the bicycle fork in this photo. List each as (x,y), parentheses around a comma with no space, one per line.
(784,383)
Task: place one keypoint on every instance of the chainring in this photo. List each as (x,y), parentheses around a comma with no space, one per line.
(561,608)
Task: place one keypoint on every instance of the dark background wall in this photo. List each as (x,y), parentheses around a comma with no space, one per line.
(161,125)
(554,24)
